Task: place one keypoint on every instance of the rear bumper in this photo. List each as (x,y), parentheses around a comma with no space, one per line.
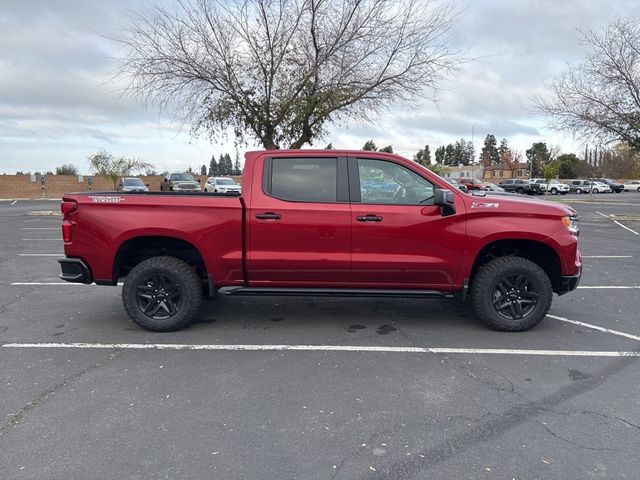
(74,270)
(569,282)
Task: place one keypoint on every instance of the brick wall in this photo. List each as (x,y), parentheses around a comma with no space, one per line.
(21,186)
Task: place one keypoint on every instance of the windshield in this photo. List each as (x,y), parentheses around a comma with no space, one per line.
(182,177)
(133,182)
(225,181)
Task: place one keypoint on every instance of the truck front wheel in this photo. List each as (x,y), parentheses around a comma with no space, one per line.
(511,294)
(162,294)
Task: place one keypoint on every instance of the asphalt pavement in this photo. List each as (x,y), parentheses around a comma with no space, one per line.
(319,388)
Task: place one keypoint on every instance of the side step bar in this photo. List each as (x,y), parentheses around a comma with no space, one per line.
(335,292)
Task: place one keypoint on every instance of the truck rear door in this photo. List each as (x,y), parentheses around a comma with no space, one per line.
(298,222)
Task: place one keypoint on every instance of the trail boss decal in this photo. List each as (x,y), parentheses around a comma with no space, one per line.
(101,199)
(484,205)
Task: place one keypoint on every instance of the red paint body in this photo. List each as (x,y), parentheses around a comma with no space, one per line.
(317,244)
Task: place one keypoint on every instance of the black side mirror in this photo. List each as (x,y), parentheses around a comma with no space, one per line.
(445,200)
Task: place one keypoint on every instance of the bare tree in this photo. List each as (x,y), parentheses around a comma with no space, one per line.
(279,71)
(600,98)
(104,163)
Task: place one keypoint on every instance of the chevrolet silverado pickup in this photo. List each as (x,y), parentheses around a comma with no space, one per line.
(309,223)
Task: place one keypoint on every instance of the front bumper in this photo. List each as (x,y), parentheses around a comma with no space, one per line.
(569,282)
(74,270)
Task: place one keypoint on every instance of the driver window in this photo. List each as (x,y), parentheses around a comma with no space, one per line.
(389,183)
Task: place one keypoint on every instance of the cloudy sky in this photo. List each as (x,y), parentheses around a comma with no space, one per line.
(59,101)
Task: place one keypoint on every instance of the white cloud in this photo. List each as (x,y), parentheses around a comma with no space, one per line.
(59,102)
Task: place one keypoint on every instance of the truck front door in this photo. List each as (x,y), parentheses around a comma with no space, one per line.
(399,238)
(298,223)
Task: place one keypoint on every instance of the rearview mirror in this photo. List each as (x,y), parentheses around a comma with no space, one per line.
(445,200)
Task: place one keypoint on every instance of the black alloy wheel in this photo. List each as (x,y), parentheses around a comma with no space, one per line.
(159,296)
(514,298)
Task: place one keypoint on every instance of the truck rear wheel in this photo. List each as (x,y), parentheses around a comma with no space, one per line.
(162,294)
(511,294)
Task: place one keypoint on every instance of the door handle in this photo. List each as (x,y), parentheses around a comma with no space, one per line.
(268,216)
(369,218)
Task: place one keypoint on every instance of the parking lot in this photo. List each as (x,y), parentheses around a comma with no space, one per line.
(319,388)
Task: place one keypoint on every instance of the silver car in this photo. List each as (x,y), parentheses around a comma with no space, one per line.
(132,184)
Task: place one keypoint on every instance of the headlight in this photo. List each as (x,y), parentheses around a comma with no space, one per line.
(571,222)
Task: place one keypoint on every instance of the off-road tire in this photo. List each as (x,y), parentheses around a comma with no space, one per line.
(139,287)
(487,293)
(554,191)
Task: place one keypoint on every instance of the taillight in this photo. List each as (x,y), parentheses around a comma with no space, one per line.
(67,207)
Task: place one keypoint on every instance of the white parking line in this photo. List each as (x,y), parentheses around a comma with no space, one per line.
(617,222)
(609,287)
(324,348)
(14,202)
(607,256)
(596,327)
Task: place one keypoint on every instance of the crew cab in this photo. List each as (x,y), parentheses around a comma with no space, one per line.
(473,183)
(179,182)
(307,225)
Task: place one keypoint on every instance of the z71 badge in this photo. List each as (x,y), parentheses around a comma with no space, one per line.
(484,205)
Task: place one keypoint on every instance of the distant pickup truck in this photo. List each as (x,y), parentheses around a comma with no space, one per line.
(516,185)
(180,182)
(307,224)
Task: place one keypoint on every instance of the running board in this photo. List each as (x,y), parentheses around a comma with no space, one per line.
(335,292)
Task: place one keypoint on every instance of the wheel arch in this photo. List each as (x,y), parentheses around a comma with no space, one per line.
(538,252)
(137,249)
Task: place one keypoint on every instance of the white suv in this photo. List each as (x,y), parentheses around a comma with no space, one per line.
(555,187)
(221,185)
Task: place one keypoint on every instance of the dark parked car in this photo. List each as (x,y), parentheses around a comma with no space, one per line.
(614,186)
(518,185)
(180,182)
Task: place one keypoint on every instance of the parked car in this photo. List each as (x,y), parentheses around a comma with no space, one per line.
(132,184)
(456,184)
(540,182)
(221,185)
(518,185)
(555,187)
(579,186)
(599,187)
(614,186)
(492,187)
(632,186)
(180,182)
(303,227)
(473,183)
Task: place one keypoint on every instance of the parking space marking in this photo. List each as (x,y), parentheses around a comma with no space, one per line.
(325,348)
(617,223)
(607,256)
(596,327)
(14,202)
(609,287)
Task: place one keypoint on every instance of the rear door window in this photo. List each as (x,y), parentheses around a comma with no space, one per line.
(302,179)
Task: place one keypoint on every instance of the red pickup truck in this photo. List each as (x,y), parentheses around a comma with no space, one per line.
(323,223)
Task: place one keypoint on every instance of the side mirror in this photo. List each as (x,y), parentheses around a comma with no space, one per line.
(198,180)
(445,200)
(146,184)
